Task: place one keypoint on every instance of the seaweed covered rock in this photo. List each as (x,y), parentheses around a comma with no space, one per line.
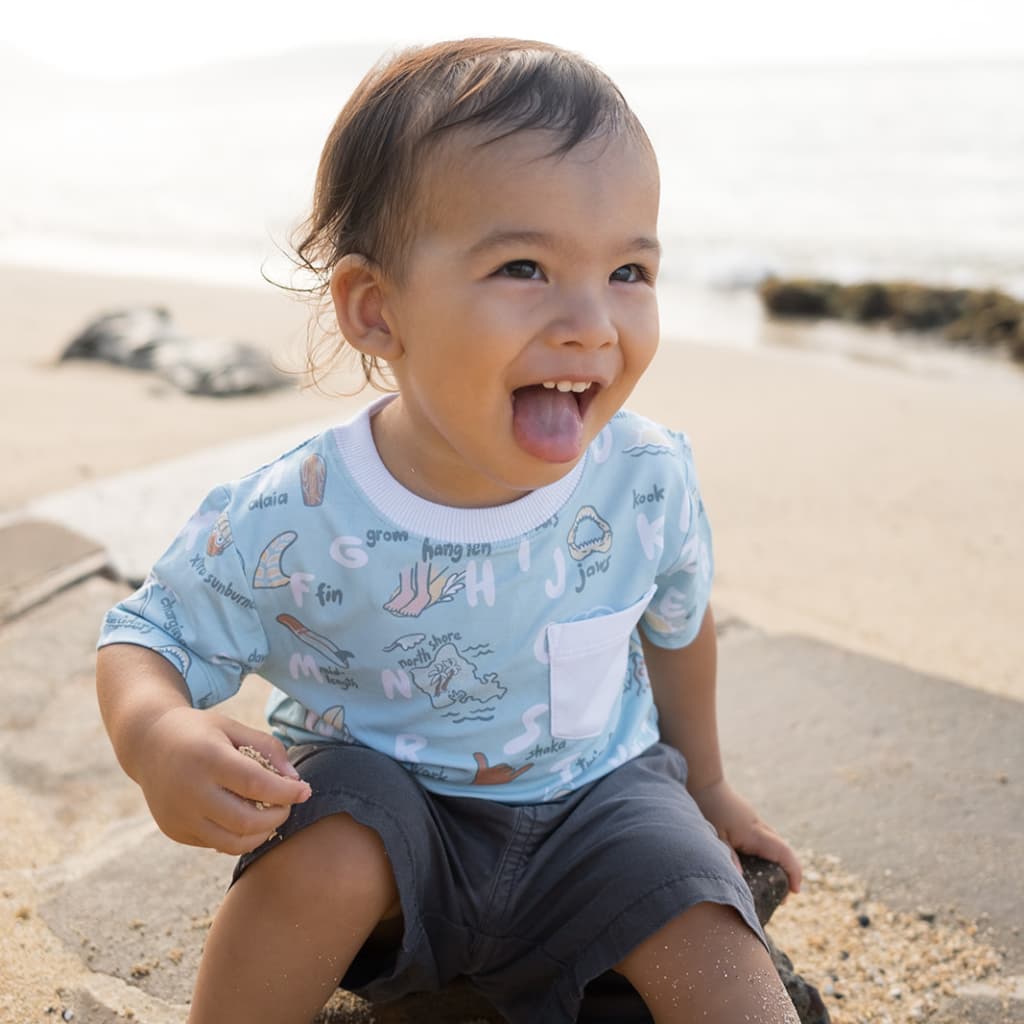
(861,303)
(916,307)
(801,297)
(981,317)
(991,315)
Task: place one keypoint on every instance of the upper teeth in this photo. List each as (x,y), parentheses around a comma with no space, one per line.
(568,385)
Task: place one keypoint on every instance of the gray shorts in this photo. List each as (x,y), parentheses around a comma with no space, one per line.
(530,902)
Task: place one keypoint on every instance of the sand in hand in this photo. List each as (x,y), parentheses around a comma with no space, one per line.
(261,759)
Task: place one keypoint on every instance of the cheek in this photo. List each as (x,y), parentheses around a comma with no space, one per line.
(457,323)
(644,333)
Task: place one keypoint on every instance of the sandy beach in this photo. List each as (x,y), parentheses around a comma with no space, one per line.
(872,506)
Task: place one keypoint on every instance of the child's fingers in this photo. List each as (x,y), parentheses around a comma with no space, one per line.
(792,868)
(226,823)
(216,837)
(269,746)
(239,817)
(250,780)
(736,860)
(770,845)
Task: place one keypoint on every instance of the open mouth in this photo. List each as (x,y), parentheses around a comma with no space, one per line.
(583,391)
(548,417)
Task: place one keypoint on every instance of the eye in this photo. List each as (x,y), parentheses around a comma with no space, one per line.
(630,273)
(522,270)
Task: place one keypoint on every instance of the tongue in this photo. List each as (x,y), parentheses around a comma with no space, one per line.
(547,423)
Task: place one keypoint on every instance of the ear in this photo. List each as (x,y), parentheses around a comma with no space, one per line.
(357,289)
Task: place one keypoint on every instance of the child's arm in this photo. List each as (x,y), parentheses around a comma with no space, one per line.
(683,685)
(199,788)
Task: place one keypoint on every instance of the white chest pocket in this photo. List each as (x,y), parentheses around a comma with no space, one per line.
(588,662)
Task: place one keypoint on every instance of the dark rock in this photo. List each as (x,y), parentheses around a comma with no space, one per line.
(980,317)
(127,338)
(768,884)
(215,366)
(147,339)
(806,998)
(802,298)
(987,318)
(1016,343)
(916,307)
(862,303)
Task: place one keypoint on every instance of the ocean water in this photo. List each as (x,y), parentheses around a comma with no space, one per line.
(852,172)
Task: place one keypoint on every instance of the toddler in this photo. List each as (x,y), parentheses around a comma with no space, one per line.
(483,602)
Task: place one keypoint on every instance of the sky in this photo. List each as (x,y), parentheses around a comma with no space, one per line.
(126,38)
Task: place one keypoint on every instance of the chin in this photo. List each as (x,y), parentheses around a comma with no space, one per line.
(547,472)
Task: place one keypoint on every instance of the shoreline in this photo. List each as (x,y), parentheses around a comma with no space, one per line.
(732,316)
(864,503)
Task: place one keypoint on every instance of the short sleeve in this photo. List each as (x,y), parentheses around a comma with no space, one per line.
(196,608)
(675,612)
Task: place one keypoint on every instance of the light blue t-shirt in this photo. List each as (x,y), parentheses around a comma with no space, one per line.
(492,652)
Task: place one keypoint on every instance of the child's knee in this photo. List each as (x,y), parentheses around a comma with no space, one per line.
(692,935)
(707,963)
(334,859)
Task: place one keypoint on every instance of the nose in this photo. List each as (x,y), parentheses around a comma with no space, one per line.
(582,319)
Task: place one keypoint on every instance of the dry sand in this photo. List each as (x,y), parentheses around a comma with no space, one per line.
(65,423)
(867,506)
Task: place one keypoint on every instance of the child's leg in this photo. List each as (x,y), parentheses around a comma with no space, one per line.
(707,965)
(291,925)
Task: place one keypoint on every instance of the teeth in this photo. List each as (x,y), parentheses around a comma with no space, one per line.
(568,385)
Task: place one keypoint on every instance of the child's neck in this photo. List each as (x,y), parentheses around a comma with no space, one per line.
(433,477)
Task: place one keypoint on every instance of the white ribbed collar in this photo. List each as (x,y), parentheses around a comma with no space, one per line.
(355,445)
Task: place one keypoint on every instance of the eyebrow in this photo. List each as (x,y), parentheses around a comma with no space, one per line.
(501,237)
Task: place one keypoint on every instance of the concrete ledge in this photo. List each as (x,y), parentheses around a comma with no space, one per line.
(40,558)
(134,516)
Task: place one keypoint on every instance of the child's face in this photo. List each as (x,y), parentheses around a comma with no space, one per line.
(527,269)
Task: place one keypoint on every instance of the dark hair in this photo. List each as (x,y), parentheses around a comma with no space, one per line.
(366,184)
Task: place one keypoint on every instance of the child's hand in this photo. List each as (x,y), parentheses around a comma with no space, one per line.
(737,824)
(202,791)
